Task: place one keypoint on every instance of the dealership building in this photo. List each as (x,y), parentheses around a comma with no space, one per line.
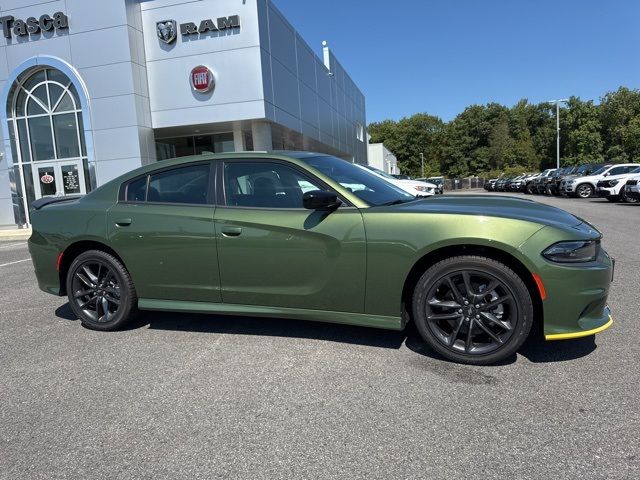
(93,89)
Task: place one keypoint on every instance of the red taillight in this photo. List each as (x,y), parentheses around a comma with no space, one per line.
(59,261)
(541,289)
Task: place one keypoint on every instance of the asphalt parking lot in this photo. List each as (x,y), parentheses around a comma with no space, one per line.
(195,396)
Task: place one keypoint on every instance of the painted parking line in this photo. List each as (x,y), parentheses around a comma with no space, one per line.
(13,263)
(13,245)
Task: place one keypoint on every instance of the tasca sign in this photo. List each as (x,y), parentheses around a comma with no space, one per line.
(33,25)
(167,29)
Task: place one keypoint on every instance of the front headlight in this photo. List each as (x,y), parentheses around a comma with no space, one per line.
(421,188)
(579,251)
(613,183)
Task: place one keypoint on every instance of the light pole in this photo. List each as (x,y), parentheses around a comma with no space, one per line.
(557,102)
(422,164)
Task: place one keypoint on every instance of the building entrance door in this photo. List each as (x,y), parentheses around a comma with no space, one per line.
(56,179)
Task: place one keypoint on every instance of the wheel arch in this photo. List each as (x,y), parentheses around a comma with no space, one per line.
(71,253)
(448,251)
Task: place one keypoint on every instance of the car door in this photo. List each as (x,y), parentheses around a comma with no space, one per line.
(162,227)
(274,252)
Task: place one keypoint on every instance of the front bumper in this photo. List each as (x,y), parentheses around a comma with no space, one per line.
(567,187)
(604,192)
(587,331)
(576,295)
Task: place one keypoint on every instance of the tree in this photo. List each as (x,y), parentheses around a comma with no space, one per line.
(492,137)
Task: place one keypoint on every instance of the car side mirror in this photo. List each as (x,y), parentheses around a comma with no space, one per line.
(320,200)
(606,174)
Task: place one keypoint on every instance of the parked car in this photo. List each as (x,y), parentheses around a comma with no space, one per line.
(632,188)
(581,171)
(518,183)
(489,185)
(529,183)
(553,181)
(314,237)
(438,181)
(539,184)
(400,176)
(613,187)
(585,187)
(414,187)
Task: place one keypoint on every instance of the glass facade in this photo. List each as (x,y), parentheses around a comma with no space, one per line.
(194,145)
(47,138)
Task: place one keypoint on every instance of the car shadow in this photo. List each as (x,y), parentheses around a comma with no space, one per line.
(535,348)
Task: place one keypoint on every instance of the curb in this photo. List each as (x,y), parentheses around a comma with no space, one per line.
(15,234)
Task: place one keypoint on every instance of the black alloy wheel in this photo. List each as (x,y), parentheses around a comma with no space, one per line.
(584,191)
(100,291)
(472,309)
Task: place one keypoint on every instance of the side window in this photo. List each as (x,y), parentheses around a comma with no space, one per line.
(180,185)
(616,171)
(265,185)
(137,190)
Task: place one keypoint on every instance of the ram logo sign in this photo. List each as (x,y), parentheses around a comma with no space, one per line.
(167,31)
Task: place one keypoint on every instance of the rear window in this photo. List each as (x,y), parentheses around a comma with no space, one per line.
(137,190)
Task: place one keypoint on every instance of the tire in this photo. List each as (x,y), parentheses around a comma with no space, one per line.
(626,198)
(445,321)
(100,291)
(549,191)
(528,189)
(584,190)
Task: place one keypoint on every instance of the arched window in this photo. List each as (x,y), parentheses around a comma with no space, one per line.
(47,135)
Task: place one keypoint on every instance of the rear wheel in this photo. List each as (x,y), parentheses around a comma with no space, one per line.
(472,309)
(100,291)
(584,190)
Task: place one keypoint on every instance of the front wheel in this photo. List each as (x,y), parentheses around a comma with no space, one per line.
(472,309)
(584,191)
(100,291)
(626,198)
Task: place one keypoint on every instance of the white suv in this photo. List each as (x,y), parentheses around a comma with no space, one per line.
(414,187)
(585,187)
(613,187)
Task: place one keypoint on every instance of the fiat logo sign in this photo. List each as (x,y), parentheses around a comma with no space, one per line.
(202,79)
(46,178)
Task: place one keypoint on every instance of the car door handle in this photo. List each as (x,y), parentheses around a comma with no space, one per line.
(123,222)
(231,231)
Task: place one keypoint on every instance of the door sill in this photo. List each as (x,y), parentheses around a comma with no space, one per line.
(347,318)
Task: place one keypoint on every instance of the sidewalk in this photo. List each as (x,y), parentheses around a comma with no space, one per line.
(14,233)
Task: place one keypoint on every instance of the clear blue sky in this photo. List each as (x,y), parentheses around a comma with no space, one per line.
(439,56)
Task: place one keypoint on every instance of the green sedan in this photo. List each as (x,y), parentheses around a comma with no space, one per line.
(313,237)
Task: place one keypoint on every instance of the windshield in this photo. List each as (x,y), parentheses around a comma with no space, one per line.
(599,171)
(365,185)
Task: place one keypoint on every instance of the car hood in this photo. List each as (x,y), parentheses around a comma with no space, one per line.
(492,206)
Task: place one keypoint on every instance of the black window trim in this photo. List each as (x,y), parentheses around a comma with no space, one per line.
(221,200)
(122,194)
